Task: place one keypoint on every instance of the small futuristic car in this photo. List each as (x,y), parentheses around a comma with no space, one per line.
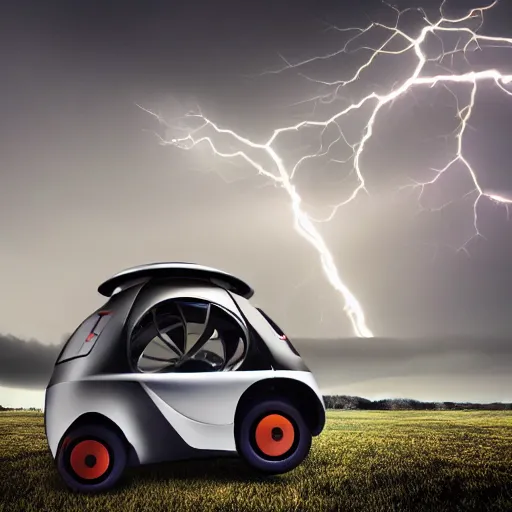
(177,365)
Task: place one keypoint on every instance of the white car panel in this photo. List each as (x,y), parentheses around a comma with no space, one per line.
(203,436)
(209,397)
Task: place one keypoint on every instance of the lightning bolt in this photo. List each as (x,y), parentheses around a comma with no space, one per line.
(205,131)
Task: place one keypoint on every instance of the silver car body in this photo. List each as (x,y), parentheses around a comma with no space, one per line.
(167,416)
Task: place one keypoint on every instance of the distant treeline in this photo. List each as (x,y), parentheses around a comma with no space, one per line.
(19,408)
(397,404)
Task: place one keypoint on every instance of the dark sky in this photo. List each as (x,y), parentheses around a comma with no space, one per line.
(85,189)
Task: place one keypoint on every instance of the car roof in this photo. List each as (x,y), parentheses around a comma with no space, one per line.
(176,269)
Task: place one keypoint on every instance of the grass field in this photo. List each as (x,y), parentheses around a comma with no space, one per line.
(364,460)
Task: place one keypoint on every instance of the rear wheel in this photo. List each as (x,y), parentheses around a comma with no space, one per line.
(273,437)
(92,458)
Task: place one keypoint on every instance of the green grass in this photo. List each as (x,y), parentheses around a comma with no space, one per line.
(364,460)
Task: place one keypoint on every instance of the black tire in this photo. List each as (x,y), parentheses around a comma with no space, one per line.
(259,443)
(91,459)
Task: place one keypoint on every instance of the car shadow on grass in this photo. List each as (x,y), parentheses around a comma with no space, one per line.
(222,470)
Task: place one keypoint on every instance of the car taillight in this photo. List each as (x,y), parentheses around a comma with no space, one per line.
(103,318)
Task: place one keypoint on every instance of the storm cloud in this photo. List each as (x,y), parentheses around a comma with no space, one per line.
(26,363)
(403,367)
(342,362)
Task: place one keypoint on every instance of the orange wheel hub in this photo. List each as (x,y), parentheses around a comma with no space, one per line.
(90,459)
(275,435)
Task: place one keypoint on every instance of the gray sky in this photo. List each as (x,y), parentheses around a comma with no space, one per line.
(85,189)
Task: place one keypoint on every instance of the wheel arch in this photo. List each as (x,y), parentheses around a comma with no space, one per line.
(100,419)
(298,393)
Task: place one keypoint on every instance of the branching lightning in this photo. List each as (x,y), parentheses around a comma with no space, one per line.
(283,175)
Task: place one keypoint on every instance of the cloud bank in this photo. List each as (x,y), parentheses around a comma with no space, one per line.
(26,363)
(398,366)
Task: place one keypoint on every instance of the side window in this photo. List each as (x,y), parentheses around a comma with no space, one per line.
(187,336)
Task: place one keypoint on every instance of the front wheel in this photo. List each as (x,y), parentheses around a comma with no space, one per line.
(273,437)
(92,458)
